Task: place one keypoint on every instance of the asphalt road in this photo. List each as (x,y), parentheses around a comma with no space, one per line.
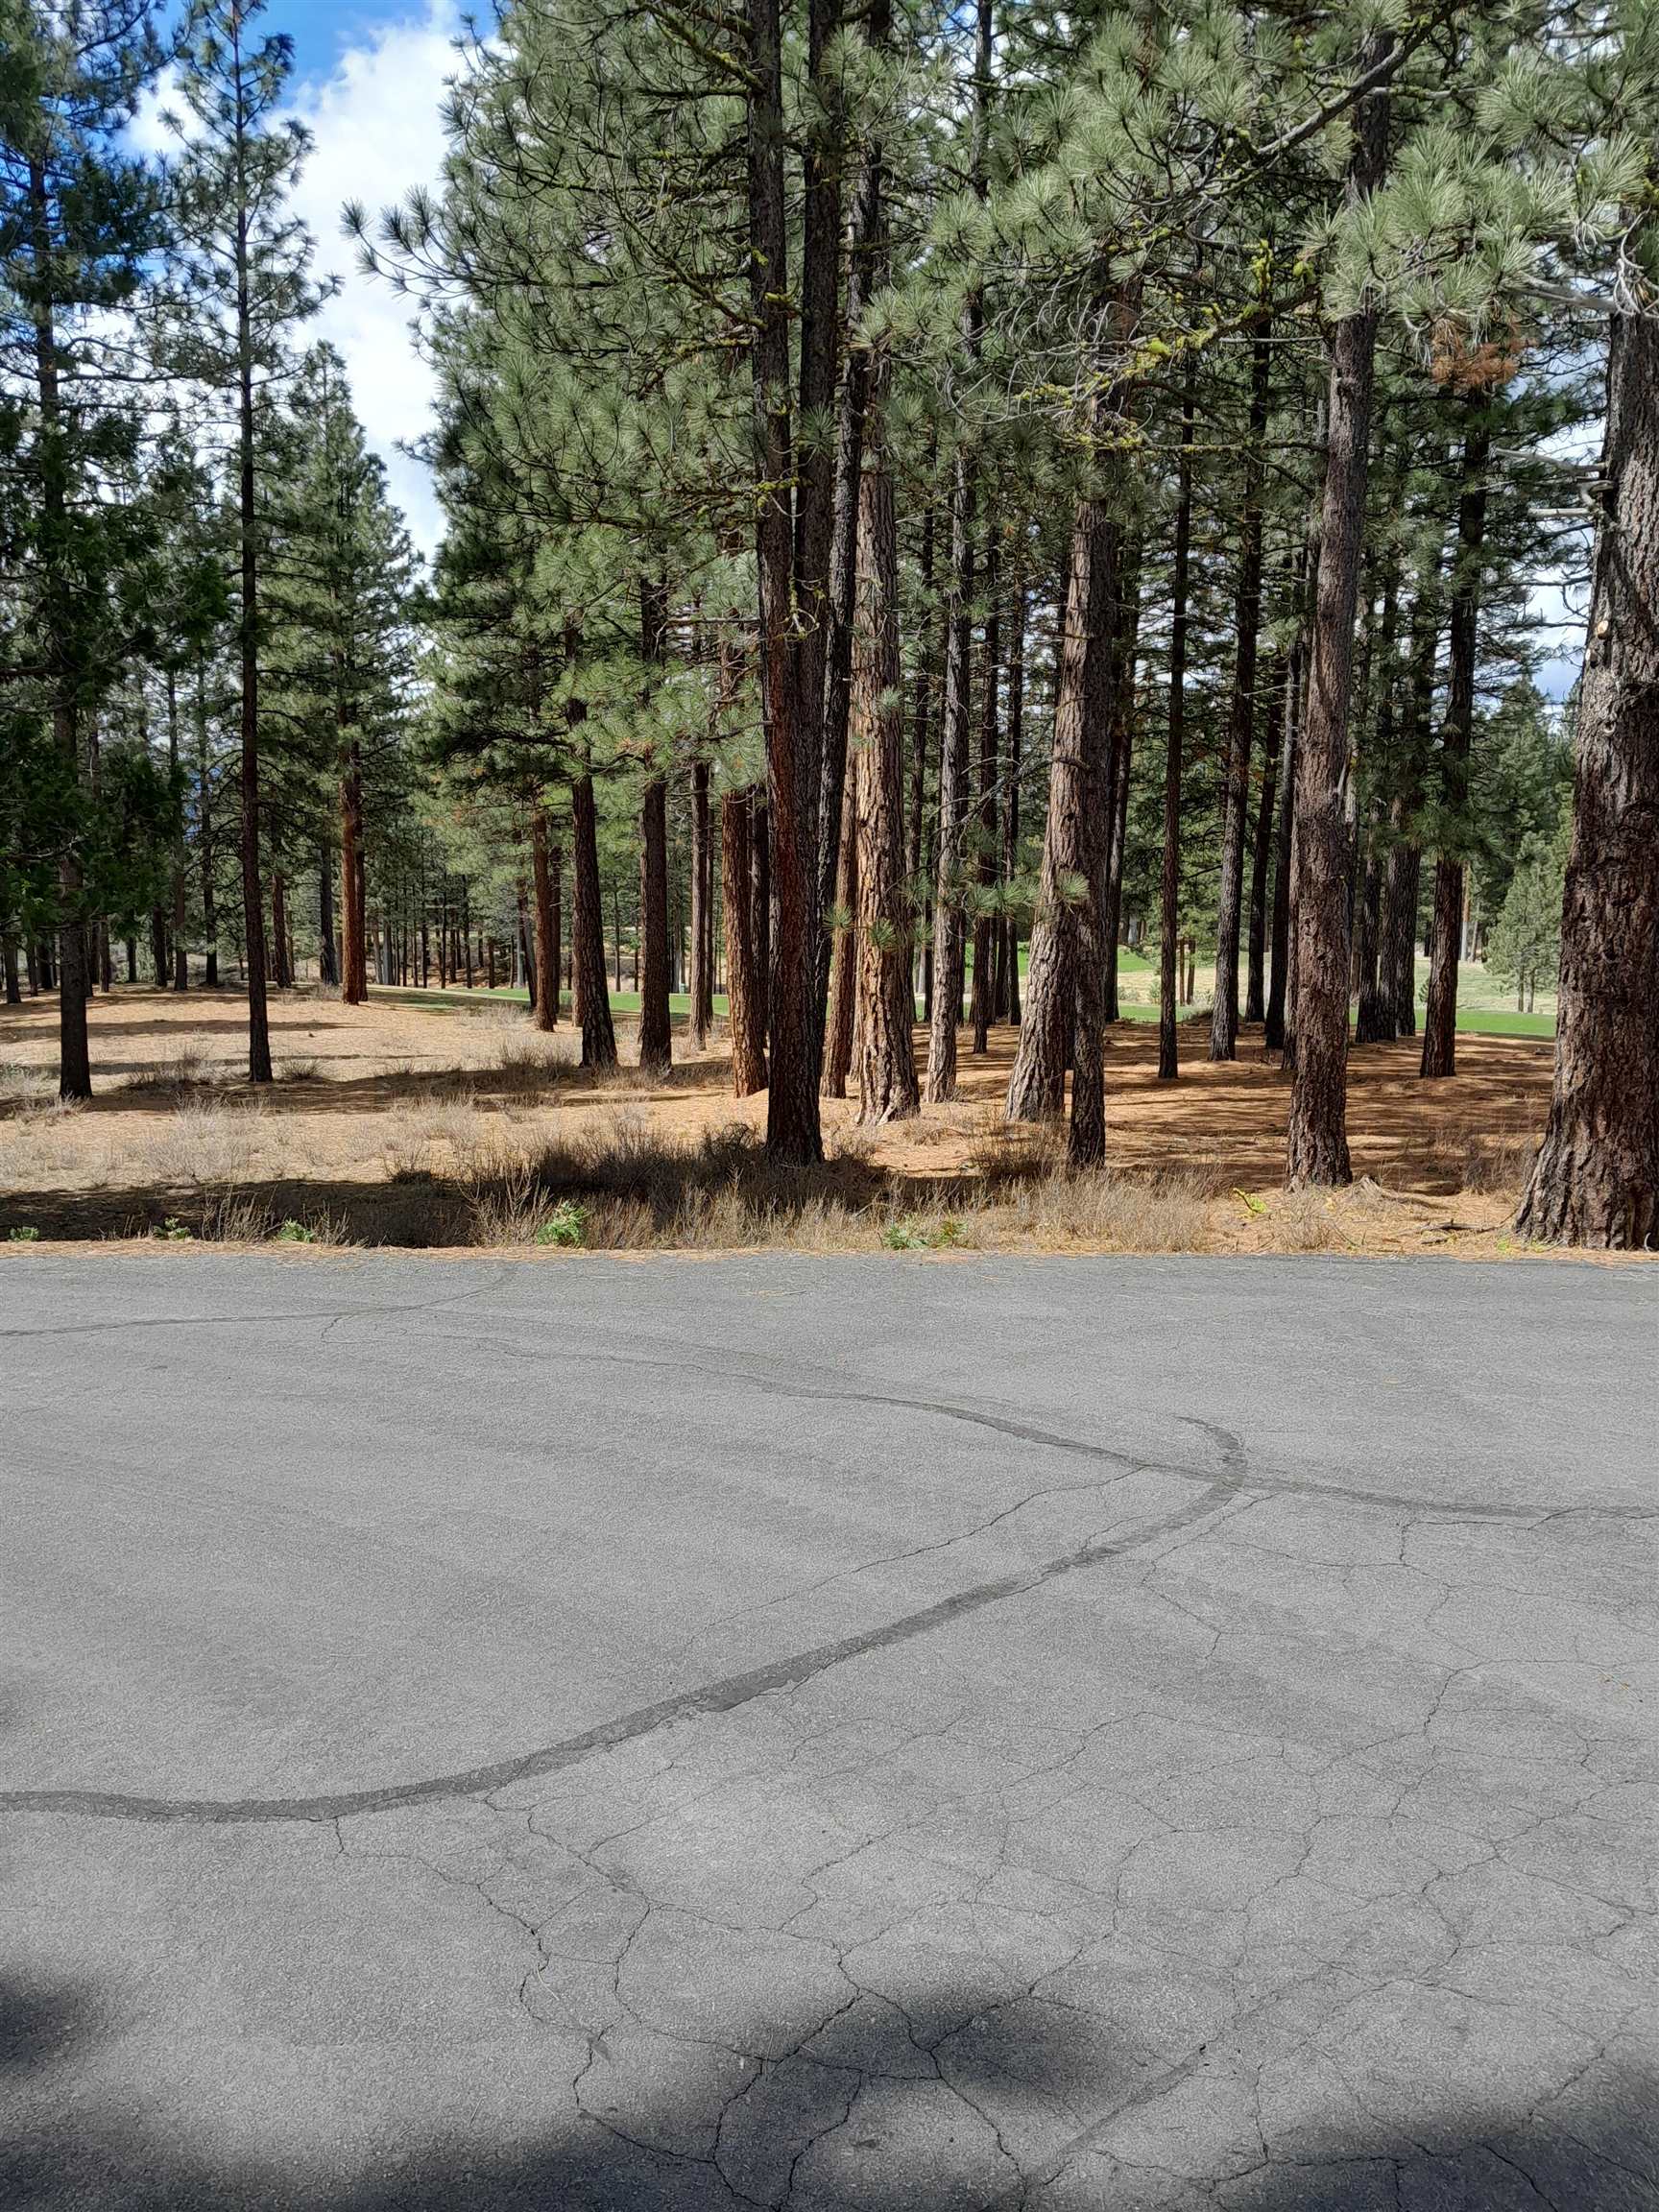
(879,1733)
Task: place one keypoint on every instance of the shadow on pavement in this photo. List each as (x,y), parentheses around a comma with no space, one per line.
(1000,2112)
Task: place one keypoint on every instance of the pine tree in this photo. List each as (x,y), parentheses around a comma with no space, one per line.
(243,288)
(339,659)
(78,220)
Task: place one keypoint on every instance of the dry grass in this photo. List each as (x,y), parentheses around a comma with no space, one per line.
(34,1123)
(1308,1222)
(1497,1165)
(174,1077)
(207,1145)
(526,1064)
(629,1190)
(233,1218)
(1100,1212)
(397,1124)
(636,1191)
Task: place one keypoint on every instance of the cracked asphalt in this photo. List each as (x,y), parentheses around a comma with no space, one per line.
(828,1733)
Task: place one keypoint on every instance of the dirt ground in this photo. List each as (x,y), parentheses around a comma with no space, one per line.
(417,1125)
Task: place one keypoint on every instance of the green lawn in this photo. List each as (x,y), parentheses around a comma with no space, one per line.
(1483,1009)
(1501,1021)
(1128,963)
(458,996)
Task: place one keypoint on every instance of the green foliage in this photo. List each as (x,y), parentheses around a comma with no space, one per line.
(340,605)
(236,240)
(566,1225)
(911,1233)
(79,222)
(1523,945)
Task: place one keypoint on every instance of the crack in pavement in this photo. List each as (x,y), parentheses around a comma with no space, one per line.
(722,1697)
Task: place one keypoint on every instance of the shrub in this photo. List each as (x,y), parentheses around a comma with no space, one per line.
(565,1226)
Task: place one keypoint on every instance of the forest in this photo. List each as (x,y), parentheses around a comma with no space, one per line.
(965,532)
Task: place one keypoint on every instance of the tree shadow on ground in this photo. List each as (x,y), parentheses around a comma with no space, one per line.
(638,1188)
(942,2108)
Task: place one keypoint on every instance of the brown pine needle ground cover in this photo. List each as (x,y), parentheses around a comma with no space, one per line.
(418,1126)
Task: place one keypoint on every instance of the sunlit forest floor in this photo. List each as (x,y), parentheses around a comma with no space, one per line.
(432,1124)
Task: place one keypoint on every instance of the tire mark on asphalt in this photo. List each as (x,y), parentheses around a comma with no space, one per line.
(722,1697)
(308,1316)
(1234,1481)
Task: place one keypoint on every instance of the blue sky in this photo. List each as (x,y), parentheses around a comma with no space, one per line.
(322,30)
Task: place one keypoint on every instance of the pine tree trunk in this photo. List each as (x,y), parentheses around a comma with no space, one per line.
(947,918)
(656,1035)
(736,861)
(556,881)
(593,995)
(1440,1015)
(1371,979)
(1086,1136)
(879,940)
(887,1085)
(1241,725)
(922,715)
(1369,939)
(1595,1180)
(355,924)
(74,1054)
(328,968)
(792,721)
(1255,984)
(651,939)
(1061,979)
(844,961)
(1317,1148)
(180,951)
(985,821)
(1126,625)
(14,986)
(1279,986)
(835,809)
(1396,982)
(204,832)
(1170,889)
(948,934)
(760,915)
(823,752)
(279,930)
(525,971)
(545,998)
(247,630)
(1008,992)
(700,885)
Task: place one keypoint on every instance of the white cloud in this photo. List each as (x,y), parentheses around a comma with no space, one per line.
(376,132)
